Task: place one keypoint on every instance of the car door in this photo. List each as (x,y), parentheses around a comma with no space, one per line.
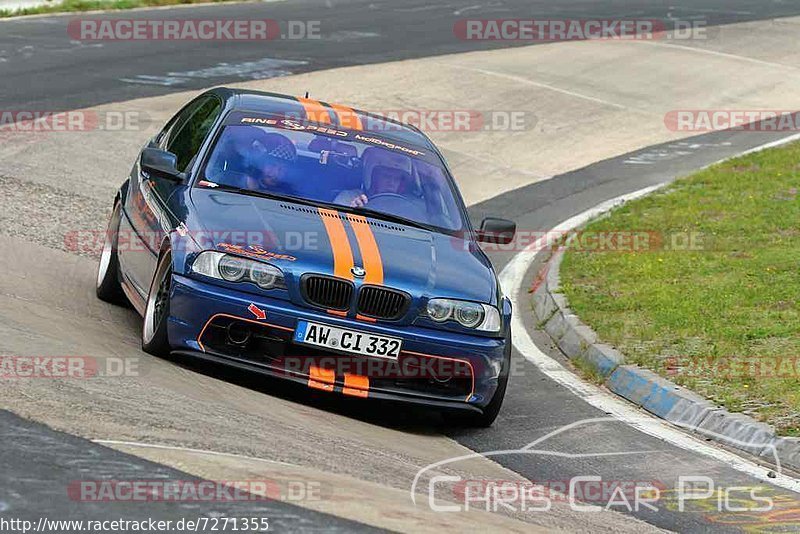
(149,218)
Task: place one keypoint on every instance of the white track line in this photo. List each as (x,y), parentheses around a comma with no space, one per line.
(526,81)
(112,442)
(511,279)
(717,53)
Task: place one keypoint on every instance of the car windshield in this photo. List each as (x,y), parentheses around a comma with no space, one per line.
(352,174)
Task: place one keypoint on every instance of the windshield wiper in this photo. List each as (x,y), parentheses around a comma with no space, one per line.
(391,218)
(318,203)
(272,196)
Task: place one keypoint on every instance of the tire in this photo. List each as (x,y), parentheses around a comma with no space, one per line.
(107,285)
(492,410)
(155,340)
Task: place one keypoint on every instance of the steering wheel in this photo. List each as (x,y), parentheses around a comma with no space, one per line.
(409,208)
(231,178)
(373,198)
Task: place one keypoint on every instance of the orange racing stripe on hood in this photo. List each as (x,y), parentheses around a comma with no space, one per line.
(370,253)
(342,253)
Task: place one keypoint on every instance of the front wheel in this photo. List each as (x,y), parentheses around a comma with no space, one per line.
(491,411)
(154,328)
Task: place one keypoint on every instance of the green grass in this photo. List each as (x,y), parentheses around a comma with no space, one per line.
(588,371)
(66,6)
(733,301)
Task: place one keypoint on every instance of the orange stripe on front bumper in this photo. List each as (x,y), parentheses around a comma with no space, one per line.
(348,118)
(319,378)
(342,253)
(356,385)
(370,253)
(315,110)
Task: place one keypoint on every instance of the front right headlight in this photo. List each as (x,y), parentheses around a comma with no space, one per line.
(472,315)
(232,268)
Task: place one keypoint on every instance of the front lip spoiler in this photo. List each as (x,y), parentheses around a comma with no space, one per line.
(247,366)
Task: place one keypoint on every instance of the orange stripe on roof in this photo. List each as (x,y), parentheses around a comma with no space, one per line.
(315,110)
(356,385)
(342,253)
(319,378)
(370,253)
(348,118)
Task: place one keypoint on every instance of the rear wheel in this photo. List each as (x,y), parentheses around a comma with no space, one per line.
(107,286)
(154,328)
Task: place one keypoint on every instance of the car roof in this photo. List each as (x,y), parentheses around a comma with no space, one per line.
(320,112)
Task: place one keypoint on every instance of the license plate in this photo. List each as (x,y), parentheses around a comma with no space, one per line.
(331,337)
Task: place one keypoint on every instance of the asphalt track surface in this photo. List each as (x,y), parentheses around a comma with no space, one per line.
(43,70)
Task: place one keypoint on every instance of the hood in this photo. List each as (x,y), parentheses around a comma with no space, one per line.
(304,239)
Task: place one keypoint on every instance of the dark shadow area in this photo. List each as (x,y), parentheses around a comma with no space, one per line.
(394,415)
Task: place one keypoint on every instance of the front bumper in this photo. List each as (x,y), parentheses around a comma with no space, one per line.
(436,368)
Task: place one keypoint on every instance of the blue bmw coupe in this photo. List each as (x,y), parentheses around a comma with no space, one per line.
(315,243)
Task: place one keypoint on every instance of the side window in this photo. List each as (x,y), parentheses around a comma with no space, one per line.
(186,141)
(174,123)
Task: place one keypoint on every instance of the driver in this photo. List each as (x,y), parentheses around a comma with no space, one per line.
(270,158)
(385,180)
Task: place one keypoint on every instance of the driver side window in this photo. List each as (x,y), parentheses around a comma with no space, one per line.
(186,134)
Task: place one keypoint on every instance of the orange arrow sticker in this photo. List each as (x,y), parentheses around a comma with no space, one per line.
(258,312)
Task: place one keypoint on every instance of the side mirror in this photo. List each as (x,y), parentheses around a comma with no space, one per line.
(161,163)
(498,231)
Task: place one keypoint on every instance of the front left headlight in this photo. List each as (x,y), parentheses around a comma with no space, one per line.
(237,269)
(472,315)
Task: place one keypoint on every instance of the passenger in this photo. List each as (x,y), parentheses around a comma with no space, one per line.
(271,160)
(385,180)
(256,160)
